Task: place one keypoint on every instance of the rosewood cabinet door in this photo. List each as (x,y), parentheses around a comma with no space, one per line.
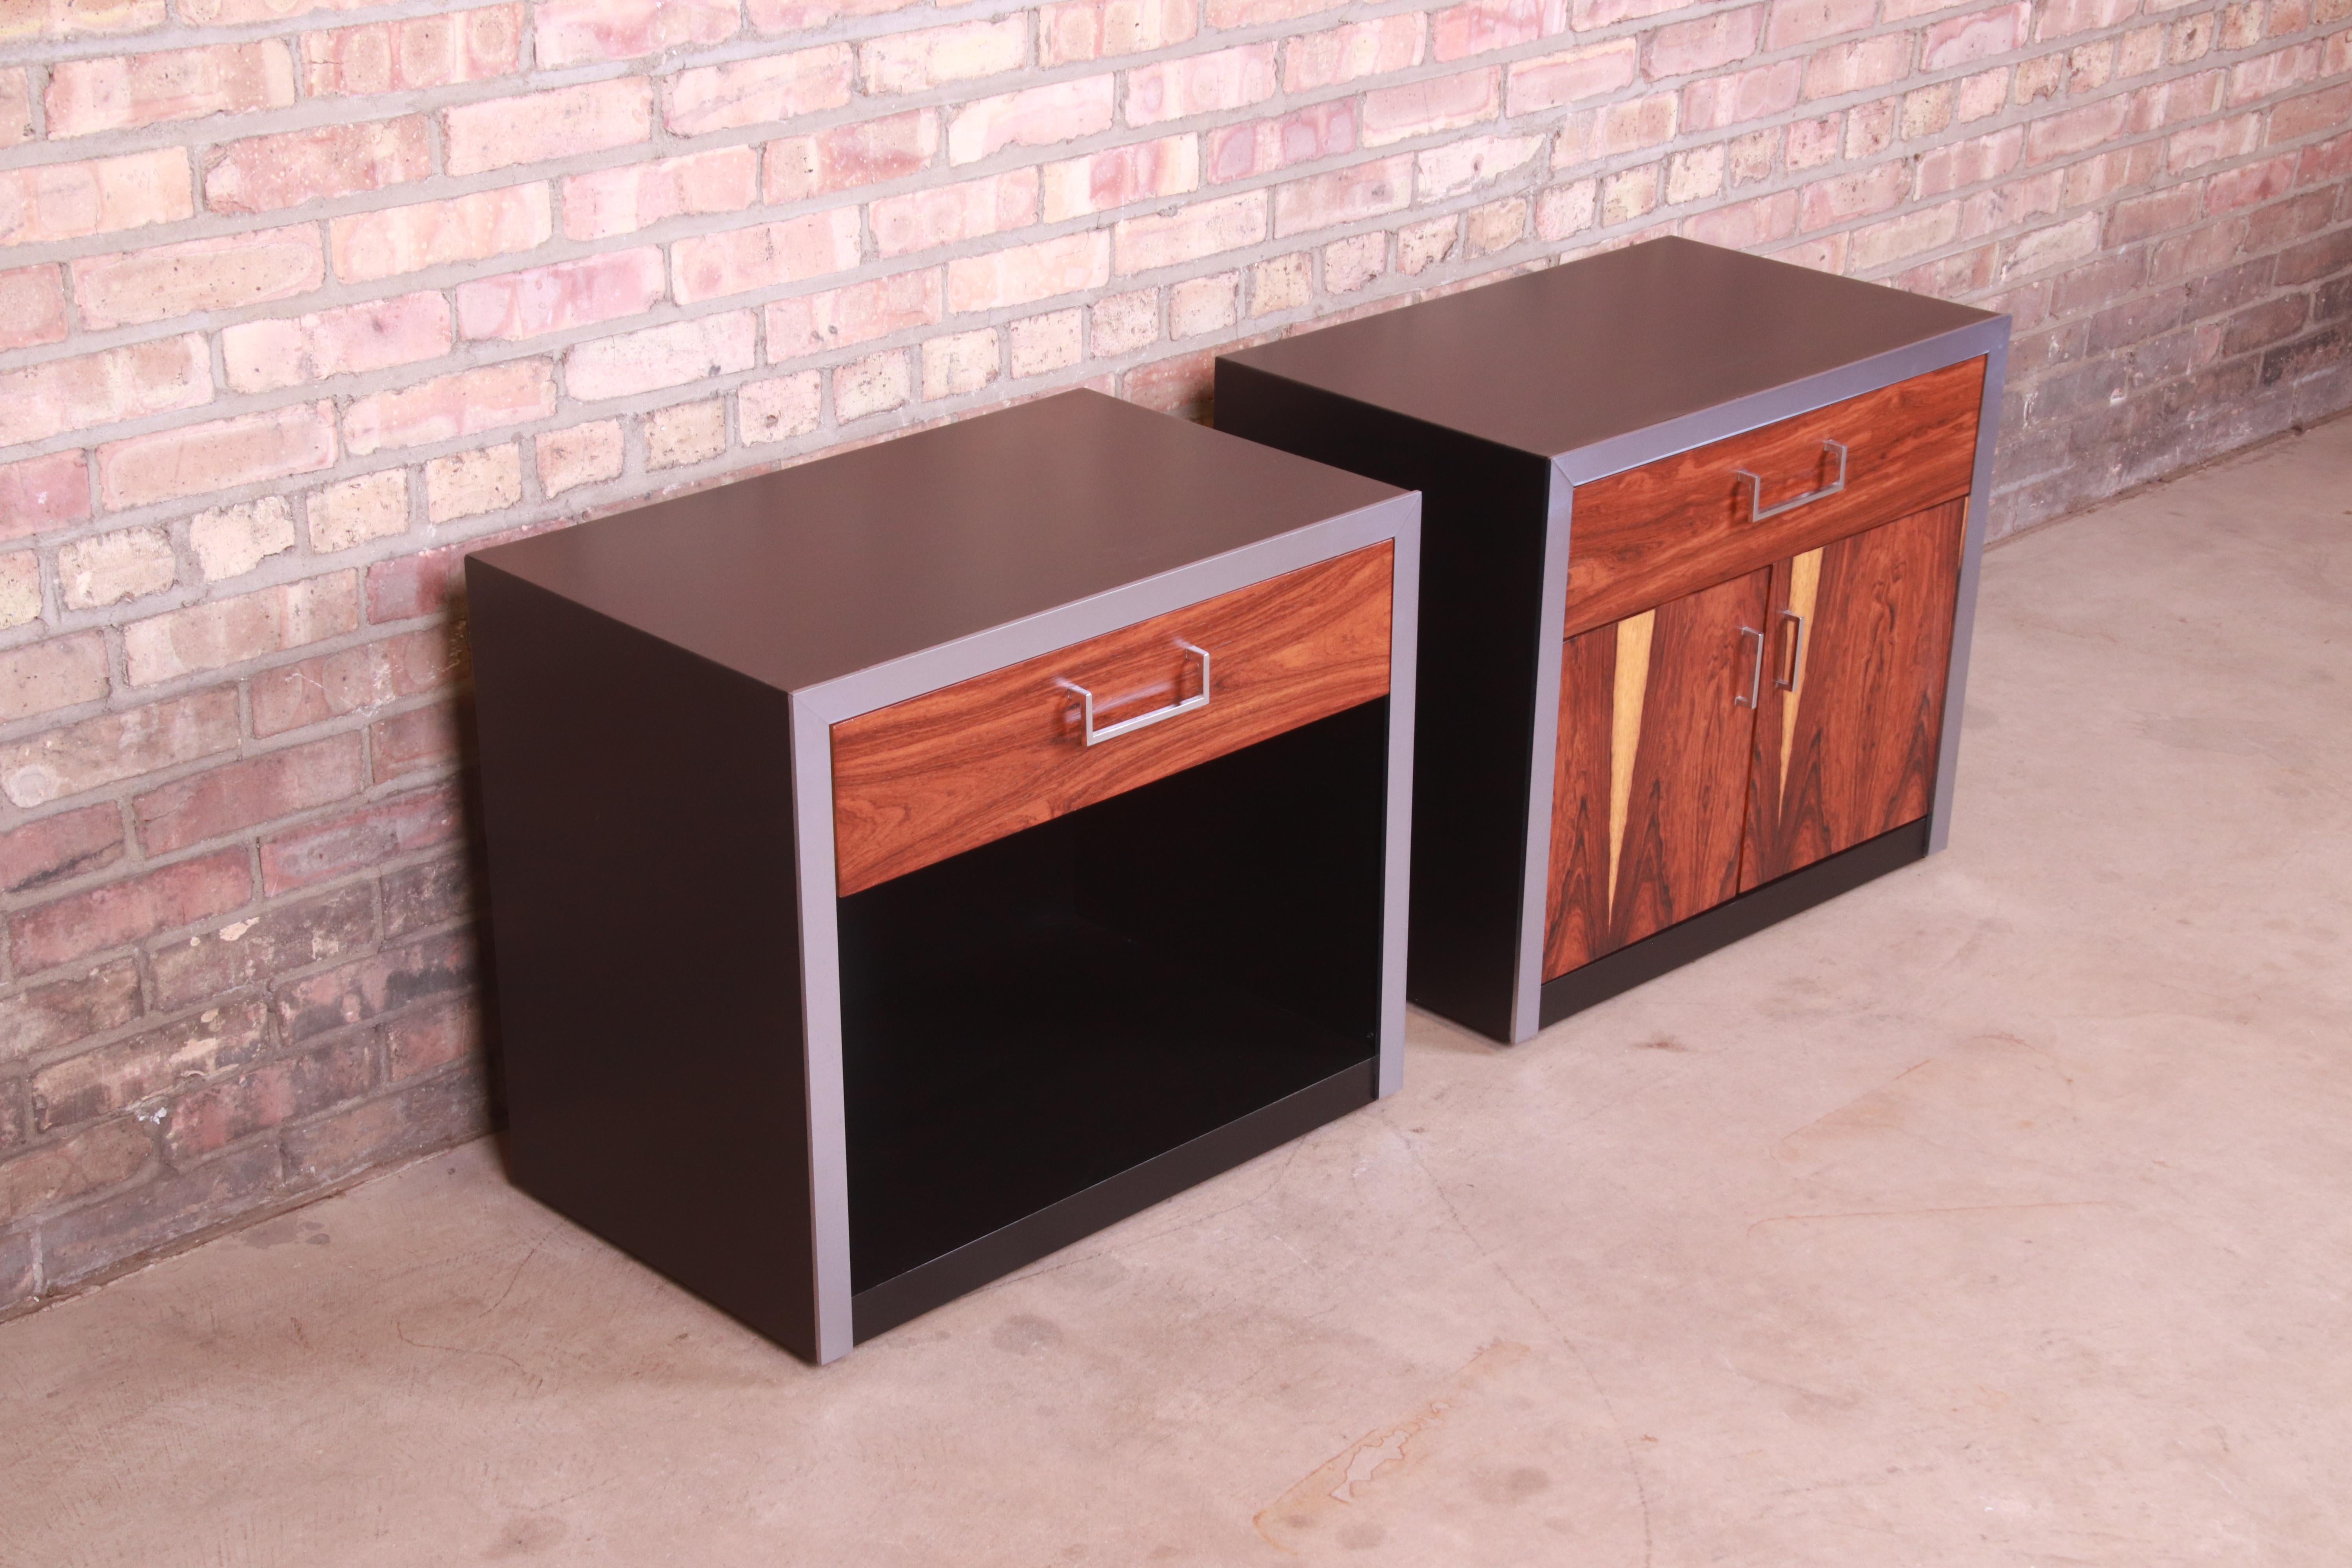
(1853,704)
(1656,735)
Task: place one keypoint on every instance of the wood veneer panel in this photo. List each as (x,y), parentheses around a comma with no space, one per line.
(1850,753)
(1640,537)
(1650,789)
(959,767)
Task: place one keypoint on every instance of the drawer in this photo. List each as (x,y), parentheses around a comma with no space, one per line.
(1653,533)
(959,767)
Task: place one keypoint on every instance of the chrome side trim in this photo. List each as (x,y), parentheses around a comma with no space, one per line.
(820,1026)
(1964,608)
(1404,624)
(1534,879)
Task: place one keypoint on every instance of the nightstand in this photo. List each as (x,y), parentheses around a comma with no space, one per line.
(904,864)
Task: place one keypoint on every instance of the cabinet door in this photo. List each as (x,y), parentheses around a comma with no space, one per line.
(1853,703)
(1650,787)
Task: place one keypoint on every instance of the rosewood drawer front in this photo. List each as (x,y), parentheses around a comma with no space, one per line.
(1642,537)
(953,769)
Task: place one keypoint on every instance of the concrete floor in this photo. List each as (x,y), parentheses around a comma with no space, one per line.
(1995,1214)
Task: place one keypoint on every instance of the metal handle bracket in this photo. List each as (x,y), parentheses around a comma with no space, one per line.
(1142,721)
(1755,672)
(1757,511)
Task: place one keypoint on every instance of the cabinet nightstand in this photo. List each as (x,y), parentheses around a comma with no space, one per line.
(904,864)
(1701,549)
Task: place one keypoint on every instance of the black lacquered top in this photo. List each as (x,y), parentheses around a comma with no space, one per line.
(839,564)
(1558,360)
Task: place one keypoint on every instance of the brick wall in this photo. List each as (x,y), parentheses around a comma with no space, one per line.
(299,299)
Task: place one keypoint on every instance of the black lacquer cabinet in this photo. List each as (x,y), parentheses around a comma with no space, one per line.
(906,864)
(1700,552)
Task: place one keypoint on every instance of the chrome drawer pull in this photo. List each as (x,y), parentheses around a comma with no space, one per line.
(1755,672)
(1141,721)
(1796,652)
(1757,511)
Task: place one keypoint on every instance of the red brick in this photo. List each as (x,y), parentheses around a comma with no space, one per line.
(1439,103)
(123,91)
(42,677)
(850,155)
(276,942)
(1858,194)
(2075,131)
(40,1179)
(736,261)
(43,493)
(241,795)
(933,56)
(59,848)
(1343,196)
(435,893)
(417,53)
(127,382)
(582,454)
(2138,218)
(222,632)
(579,32)
(96,1237)
(431,1038)
(562,123)
(1140,170)
(815,323)
(445,1109)
(1858,66)
(369,246)
(362,840)
(1954,41)
(1092,29)
(1479,26)
(1199,84)
(942,215)
(1182,387)
(623,200)
(1320,131)
(1457,166)
(130,910)
(1227,13)
(1710,42)
(199,275)
(80,19)
(1371,48)
(211,1118)
(2062,18)
(449,407)
(15,108)
(1948,168)
(117,1076)
(32,307)
(46,1017)
(116,746)
(673,356)
(197,458)
(569,294)
(1808,21)
(420,738)
(428,582)
(2249,185)
(262,356)
(331,685)
(1723,102)
(772,16)
(1189,233)
(2329,110)
(1034,117)
(756,92)
(268,173)
(50,202)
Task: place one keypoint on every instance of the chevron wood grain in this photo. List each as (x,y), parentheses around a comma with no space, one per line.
(1851,752)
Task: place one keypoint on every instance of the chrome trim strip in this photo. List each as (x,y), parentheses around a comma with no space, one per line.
(1964,608)
(1535,880)
(816,708)
(1404,623)
(820,1026)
